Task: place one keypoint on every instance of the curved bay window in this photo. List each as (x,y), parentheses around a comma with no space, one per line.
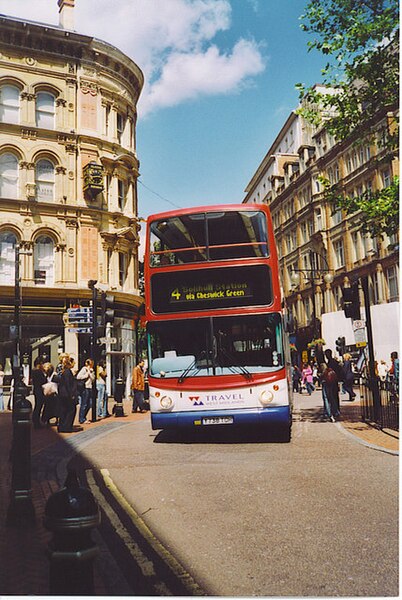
(45,110)
(9,104)
(44,260)
(8,175)
(44,180)
(8,242)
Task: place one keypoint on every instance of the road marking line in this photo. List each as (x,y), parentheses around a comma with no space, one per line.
(179,571)
(146,566)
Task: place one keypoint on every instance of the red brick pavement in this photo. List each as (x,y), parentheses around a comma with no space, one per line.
(24,562)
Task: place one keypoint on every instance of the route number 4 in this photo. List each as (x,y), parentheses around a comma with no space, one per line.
(176,294)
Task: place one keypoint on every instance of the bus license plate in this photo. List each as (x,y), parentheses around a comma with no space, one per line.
(217,421)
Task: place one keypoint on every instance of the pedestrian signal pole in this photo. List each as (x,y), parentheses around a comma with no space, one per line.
(94,342)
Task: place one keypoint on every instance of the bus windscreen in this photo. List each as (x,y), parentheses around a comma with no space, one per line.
(207,236)
(207,289)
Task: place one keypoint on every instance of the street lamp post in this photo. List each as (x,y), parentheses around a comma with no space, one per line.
(20,510)
(313,274)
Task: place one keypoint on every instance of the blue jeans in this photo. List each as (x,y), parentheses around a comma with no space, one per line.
(85,404)
(309,387)
(1,399)
(327,406)
(101,400)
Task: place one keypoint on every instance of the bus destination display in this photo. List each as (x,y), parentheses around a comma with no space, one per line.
(202,289)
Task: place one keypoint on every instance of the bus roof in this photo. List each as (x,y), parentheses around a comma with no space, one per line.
(207,208)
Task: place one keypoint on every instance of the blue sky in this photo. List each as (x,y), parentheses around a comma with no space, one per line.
(220,83)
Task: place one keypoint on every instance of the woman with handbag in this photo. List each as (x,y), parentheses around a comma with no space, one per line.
(51,408)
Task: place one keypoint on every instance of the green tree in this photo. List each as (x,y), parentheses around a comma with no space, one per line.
(360,40)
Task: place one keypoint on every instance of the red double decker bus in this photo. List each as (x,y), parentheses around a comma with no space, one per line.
(217,350)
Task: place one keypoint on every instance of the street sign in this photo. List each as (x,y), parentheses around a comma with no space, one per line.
(105,340)
(80,330)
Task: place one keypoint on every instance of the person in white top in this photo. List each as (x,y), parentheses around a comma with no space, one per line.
(87,376)
(1,388)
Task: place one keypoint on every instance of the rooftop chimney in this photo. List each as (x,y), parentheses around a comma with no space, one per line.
(66,13)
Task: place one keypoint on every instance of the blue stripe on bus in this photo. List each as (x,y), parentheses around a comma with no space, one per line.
(275,415)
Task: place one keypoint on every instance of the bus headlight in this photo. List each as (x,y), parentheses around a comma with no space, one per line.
(166,402)
(266,397)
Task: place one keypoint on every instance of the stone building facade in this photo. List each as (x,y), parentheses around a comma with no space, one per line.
(315,240)
(68,186)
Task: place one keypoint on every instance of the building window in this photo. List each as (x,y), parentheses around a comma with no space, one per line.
(337,217)
(356,246)
(121,122)
(107,118)
(9,104)
(339,253)
(122,268)
(386,178)
(392,282)
(45,110)
(8,175)
(307,309)
(338,298)
(8,242)
(44,179)
(44,260)
(318,219)
(121,193)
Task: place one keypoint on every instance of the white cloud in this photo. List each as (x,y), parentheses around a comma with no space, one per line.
(170,40)
(190,75)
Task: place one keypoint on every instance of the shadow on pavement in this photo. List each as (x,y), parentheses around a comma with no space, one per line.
(219,435)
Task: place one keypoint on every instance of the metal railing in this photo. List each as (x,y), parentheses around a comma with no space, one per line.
(380,402)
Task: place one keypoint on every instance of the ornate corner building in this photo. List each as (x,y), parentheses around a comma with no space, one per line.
(68,185)
(288,180)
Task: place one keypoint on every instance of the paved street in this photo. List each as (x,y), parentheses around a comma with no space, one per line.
(245,516)
(225,514)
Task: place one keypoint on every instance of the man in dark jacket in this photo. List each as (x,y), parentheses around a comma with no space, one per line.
(333,386)
(38,377)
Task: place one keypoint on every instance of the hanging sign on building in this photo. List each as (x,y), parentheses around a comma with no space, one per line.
(93,178)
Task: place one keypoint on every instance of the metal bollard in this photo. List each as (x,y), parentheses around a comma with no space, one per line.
(21,510)
(118,409)
(71,514)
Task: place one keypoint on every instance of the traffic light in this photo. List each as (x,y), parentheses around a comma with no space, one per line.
(107,308)
(340,345)
(351,301)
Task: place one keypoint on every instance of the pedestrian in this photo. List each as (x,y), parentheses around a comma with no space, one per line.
(393,371)
(86,376)
(68,397)
(348,376)
(316,377)
(51,409)
(138,386)
(325,397)
(382,370)
(296,377)
(307,378)
(38,377)
(1,388)
(333,375)
(101,400)
(59,367)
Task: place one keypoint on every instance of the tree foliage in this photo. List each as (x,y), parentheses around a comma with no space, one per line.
(360,40)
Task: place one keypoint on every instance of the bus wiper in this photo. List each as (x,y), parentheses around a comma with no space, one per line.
(245,372)
(190,368)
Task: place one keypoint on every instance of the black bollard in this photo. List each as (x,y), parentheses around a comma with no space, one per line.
(71,514)
(118,408)
(21,510)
